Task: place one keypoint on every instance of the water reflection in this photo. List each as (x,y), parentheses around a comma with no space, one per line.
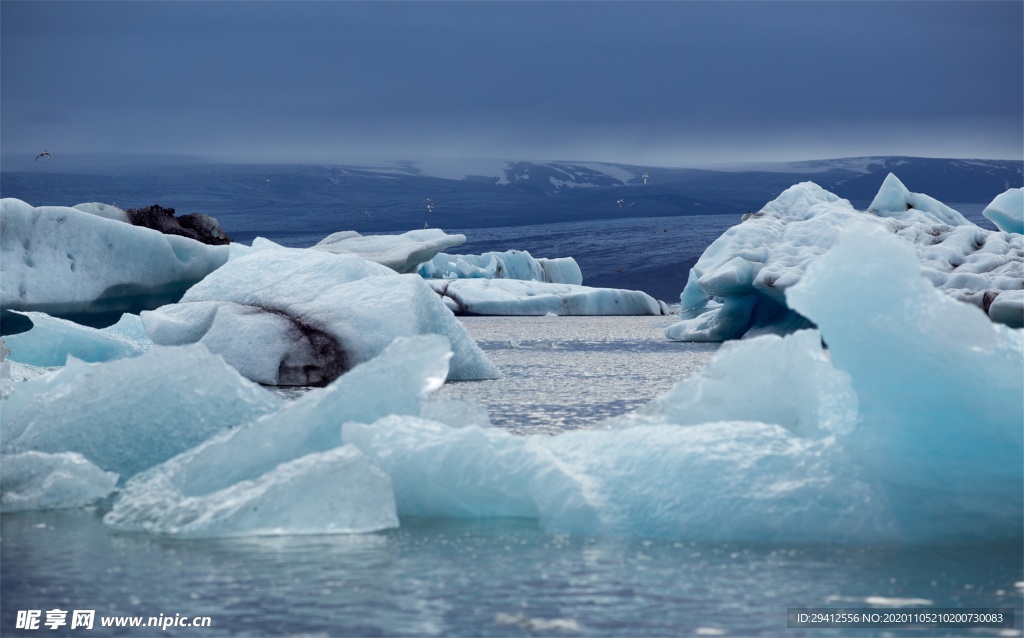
(476,578)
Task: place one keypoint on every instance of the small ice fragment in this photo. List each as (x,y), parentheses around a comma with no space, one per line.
(882,601)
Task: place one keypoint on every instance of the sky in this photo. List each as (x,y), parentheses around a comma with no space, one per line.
(645,83)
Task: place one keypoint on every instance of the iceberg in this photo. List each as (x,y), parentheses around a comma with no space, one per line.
(40,481)
(290,316)
(128,415)
(787,381)
(713,482)
(91,269)
(332,492)
(271,463)
(535,298)
(737,288)
(511,264)
(1007,211)
(939,387)
(909,431)
(52,340)
(894,200)
(402,253)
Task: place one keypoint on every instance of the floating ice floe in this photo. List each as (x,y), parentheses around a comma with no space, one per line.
(911,431)
(52,340)
(91,269)
(738,286)
(719,481)
(41,481)
(1007,211)
(515,283)
(402,253)
(289,316)
(511,264)
(535,298)
(127,415)
(289,472)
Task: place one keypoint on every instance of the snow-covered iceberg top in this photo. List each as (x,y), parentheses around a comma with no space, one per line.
(508,297)
(296,316)
(402,253)
(511,264)
(1007,211)
(91,268)
(738,286)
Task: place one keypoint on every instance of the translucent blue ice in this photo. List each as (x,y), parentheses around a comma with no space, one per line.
(41,481)
(52,340)
(1007,211)
(291,464)
(128,415)
(511,264)
(910,430)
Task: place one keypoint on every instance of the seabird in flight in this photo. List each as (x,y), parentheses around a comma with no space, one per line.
(45,154)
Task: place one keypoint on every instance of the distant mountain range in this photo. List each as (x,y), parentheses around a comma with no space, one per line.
(289,201)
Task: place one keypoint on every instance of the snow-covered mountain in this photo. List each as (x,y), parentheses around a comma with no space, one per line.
(289,201)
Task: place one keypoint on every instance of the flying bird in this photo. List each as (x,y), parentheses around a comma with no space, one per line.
(45,154)
(647,176)
(621,202)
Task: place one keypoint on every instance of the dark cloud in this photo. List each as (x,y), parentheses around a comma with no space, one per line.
(658,82)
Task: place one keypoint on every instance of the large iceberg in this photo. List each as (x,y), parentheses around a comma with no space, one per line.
(511,264)
(289,316)
(738,286)
(128,415)
(51,340)
(292,463)
(939,387)
(911,430)
(535,298)
(91,269)
(402,253)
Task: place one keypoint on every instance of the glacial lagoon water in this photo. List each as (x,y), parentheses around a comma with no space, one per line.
(497,577)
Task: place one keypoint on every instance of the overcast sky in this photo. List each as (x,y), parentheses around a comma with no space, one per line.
(660,83)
